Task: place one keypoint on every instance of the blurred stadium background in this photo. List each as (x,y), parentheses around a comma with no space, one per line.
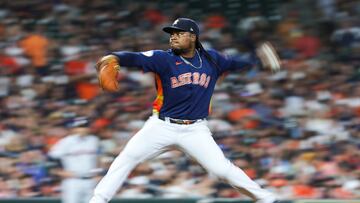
(295,132)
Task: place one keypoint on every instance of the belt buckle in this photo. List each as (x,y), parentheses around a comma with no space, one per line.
(182,122)
(187,122)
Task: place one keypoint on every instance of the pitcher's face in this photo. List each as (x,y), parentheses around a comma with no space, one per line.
(181,41)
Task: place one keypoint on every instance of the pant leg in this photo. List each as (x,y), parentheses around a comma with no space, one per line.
(70,191)
(199,143)
(87,190)
(151,140)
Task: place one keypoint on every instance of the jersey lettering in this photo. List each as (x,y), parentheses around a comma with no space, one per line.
(207,81)
(196,77)
(174,82)
(190,78)
(202,79)
(185,79)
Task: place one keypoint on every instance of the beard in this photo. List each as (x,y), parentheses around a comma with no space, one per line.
(178,51)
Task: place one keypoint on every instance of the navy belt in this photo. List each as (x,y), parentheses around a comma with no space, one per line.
(179,121)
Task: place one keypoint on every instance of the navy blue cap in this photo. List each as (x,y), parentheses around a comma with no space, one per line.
(183,24)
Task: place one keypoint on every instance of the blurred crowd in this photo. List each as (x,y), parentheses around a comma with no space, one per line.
(296,132)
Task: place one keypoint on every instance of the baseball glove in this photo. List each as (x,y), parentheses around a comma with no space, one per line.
(108,70)
(268,56)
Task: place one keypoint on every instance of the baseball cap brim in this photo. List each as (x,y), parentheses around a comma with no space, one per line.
(169,29)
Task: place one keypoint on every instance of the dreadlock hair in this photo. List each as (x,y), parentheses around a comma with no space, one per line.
(200,47)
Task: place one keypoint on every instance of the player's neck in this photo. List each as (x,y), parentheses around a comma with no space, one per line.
(188,54)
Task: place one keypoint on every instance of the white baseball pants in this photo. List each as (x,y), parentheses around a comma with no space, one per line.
(194,139)
(76,190)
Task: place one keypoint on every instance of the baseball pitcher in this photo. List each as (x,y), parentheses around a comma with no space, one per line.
(185,77)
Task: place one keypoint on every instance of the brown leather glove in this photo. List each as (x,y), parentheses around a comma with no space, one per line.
(108,69)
